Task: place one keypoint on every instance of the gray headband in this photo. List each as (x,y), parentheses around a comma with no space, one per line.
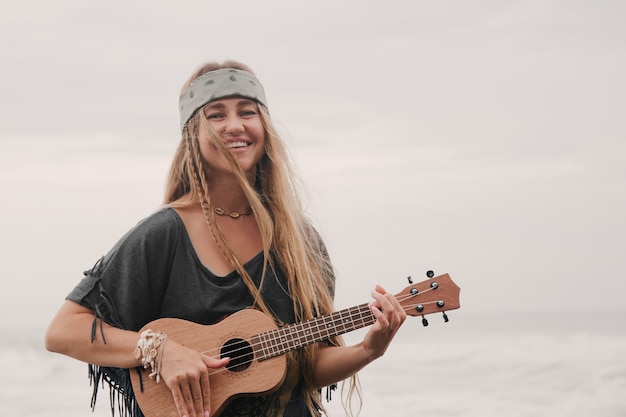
(214,85)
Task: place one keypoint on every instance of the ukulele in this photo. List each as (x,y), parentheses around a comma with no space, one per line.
(255,344)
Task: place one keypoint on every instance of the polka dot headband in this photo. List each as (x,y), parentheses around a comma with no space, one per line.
(215,85)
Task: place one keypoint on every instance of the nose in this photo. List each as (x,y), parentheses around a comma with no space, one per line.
(233,124)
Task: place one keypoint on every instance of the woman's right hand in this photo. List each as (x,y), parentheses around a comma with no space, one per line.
(186,373)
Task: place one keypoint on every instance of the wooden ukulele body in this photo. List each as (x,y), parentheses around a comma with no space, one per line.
(248,378)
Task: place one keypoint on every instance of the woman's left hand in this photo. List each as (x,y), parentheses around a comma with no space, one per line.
(336,363)
(389,317)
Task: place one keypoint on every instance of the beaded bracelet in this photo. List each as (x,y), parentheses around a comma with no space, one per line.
(150,352)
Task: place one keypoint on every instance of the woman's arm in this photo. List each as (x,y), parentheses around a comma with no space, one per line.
(336,363)
(184,371)
(69,333)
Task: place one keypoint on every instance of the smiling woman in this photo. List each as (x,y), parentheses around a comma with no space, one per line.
(236,124)
(232,235)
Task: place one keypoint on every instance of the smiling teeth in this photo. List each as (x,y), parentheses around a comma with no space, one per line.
(237,144)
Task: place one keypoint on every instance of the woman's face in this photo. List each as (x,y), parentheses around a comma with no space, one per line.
(238,122)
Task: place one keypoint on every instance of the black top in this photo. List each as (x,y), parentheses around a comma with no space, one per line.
(154,272)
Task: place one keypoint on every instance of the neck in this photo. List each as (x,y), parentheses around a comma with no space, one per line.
(228,195)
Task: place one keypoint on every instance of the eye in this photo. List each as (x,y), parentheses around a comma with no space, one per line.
(215,116)
(247,113)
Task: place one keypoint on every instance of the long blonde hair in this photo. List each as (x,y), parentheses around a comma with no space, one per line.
(287,235)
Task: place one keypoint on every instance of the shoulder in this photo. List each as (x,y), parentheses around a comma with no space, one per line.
(158,228)
(165,219)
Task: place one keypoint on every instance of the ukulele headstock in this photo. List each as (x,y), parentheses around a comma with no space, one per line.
(434,295)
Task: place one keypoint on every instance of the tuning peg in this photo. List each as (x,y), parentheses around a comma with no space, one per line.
(409,279)
(430,274)
(424,321)
(445,317)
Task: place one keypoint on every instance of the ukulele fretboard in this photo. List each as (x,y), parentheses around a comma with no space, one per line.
(287,338)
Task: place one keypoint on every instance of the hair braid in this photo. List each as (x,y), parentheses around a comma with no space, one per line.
(197,173)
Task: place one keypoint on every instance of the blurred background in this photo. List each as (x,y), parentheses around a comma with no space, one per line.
(484,139)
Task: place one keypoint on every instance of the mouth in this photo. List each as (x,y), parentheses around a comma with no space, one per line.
(237,145)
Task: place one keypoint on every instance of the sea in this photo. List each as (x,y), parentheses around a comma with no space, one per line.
(475,365)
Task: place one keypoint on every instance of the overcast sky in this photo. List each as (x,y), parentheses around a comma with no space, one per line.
(485,139)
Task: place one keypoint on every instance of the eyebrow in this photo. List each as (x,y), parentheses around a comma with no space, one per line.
(240,103)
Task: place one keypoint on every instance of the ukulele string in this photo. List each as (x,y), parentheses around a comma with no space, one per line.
(246,345)
(251,348)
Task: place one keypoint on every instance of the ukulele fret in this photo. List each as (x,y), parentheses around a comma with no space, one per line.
(290,337)
(266,349)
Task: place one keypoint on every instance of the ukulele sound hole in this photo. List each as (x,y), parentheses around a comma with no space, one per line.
(240,353)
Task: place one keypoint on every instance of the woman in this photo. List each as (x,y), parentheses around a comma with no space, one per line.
(231,235)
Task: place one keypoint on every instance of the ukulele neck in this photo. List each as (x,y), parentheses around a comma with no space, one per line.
(293,336)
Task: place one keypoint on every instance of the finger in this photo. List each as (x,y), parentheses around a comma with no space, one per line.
(197,397)
(401,310)
(215,363)
(381,289)
(393,311)
(394,303)
(397,315)
(380,307)
(190,394)
(381,320)
(379,292)
(384,302)
(206,393)
(179,400)
(377,299)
